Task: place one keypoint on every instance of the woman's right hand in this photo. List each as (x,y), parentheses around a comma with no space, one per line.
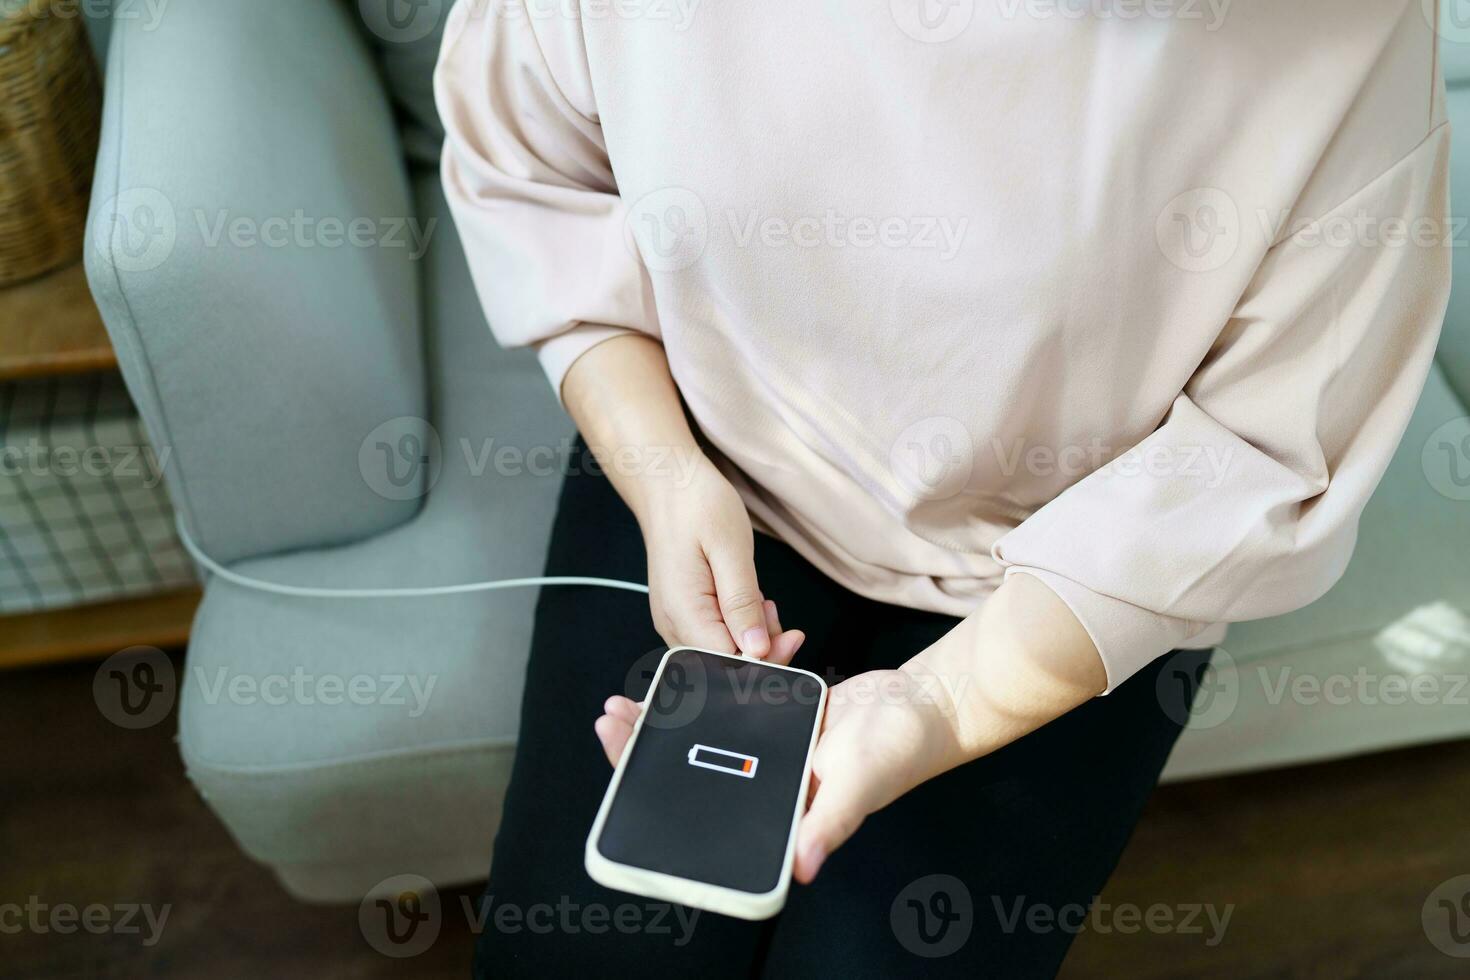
(703,590)
(702,585)
(701,548)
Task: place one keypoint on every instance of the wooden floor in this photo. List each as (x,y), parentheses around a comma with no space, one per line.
(1327,867)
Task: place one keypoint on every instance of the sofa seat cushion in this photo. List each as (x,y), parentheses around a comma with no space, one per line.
(1411,555)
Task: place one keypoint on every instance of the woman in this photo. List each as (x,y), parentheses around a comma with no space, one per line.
(981,355)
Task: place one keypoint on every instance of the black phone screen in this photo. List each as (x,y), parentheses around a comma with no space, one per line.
(711,781)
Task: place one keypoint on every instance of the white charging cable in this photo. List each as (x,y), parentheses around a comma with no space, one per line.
(313,592)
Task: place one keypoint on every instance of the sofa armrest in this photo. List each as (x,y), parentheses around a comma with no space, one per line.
(253,253)
(1454,345)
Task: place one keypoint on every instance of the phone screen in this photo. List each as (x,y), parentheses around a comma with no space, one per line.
(711,781)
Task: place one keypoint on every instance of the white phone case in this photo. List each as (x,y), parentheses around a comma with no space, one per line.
(686,891)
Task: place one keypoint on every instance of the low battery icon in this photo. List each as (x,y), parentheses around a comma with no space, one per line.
(722,760)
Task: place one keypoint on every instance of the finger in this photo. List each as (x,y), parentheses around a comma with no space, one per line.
(698,623)
(741,602)
(613,733)
(784,646)
(691,610)
(623,709)
(835,814)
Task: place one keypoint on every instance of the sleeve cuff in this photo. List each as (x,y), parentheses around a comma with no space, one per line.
(1127,637)
(558,353)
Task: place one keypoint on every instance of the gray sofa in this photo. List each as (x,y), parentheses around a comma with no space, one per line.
(300,373)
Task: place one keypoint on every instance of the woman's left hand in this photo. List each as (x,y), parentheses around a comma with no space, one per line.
(884,733)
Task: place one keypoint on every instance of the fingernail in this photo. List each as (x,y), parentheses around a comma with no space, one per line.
(754,642)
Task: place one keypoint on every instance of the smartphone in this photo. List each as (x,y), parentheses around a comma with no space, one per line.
(703,805)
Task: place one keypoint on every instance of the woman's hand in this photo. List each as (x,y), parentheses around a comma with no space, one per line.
(701,549)
(701,571)
(1021,661)
(884,733)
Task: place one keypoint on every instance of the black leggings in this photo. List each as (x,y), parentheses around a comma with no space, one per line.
(983,871)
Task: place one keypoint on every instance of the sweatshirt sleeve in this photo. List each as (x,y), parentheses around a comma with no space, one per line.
(1244,502)
(527,176)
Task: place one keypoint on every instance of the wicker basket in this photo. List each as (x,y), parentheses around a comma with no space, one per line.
(50,107)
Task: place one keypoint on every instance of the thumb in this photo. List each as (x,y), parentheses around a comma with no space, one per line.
(741,602)
(837,811)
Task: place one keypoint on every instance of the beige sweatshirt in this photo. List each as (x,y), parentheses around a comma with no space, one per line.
(1134,297)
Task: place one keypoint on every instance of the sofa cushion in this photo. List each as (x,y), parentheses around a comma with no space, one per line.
(486,515)
(251,326)
(1454,31)
(1411,556)
(269,725)
(406,34)
(1411,547)
(1454,346)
